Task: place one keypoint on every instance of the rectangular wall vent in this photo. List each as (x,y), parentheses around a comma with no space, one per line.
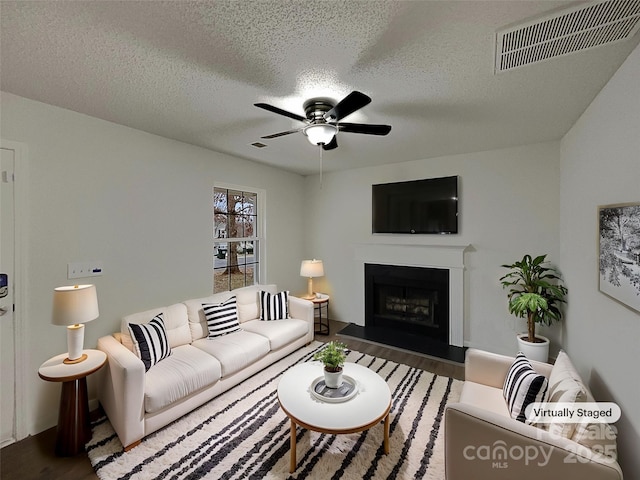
(567,31)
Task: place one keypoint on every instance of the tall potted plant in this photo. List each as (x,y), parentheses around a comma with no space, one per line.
(535,293)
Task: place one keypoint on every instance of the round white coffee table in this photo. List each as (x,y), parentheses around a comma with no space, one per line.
(367,408)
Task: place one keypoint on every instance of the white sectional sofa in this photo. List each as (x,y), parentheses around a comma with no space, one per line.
(139,402)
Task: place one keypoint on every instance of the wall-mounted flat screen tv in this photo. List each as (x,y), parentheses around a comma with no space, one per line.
(417,206)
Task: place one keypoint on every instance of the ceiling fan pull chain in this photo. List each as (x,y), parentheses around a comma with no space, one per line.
(320,147)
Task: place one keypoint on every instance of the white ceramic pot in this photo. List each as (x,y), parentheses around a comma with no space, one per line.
(534,351)
(333,379)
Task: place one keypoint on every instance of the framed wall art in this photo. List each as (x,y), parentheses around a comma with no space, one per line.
(619,252)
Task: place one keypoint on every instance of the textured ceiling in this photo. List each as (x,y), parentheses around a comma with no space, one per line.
(192,71)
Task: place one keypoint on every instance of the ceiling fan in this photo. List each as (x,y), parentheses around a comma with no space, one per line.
(323,119)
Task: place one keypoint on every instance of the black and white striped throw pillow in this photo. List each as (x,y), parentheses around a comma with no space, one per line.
(222,318)
(150,341)
(274,307)
(522,387)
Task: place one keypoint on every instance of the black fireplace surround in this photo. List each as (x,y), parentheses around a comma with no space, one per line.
(413,300)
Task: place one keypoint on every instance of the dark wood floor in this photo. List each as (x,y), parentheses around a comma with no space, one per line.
(424,362)
(33,457)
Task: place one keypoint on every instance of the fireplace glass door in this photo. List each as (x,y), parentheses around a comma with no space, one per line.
(409,299)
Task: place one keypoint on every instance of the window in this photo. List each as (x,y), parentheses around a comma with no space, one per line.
(236,240)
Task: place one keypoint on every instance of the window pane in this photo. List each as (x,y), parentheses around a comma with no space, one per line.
(220,225)
(250,203)
(219,255)
(237,280)
(234,201)
(251,251)
(249,225)
(233,256)
(220,200)
(234,226)
(220,280)
(251,274)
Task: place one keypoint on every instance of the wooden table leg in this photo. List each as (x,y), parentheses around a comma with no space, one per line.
(386,434)
(74,428)
(293,447)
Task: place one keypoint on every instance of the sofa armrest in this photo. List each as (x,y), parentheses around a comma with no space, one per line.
(491,369)
(121,390)
(302,310)
(484,444)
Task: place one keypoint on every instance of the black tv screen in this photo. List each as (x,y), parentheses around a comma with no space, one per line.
(417,206)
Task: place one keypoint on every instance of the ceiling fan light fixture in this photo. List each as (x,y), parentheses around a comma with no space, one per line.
(320,133)
(323,117)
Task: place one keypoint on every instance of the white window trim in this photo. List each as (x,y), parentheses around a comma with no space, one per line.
(261,224)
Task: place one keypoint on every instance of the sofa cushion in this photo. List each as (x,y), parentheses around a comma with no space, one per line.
(150,341)
(274,307)
(195,314)
(249,301)
(523,386)
(236,350)
(565,385)
(222,318)
(598,436)
(279,333)
(485,397)
(186,371)
(175,320)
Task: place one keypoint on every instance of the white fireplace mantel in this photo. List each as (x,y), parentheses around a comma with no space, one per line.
(450,257)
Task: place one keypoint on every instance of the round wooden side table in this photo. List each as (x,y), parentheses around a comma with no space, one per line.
(319,302)
(74,426)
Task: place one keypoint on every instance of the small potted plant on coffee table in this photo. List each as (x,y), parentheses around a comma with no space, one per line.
(333,357)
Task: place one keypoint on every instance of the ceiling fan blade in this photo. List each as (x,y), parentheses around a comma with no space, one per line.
(281,134)
(349,104)
(331,145)
(367,129)
(279,111)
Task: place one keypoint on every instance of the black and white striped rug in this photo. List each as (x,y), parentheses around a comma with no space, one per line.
(244,434)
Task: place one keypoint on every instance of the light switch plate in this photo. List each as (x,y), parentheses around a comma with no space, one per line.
(84,269)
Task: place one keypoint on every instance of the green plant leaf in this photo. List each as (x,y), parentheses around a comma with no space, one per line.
(332,356)
(534,290)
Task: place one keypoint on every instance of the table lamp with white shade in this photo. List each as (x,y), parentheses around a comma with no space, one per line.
(74,306)
(311,269)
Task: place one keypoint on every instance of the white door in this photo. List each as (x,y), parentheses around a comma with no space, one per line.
(7,327)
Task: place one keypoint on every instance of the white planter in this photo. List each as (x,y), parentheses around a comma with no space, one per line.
(333,379)
(534,351)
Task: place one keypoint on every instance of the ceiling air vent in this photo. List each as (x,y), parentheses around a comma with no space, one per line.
(566,31)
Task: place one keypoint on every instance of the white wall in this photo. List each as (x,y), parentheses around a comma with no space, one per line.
(141,204)
(509,206)
(600,165)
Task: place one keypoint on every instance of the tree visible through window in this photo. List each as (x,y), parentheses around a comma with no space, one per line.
(235,243)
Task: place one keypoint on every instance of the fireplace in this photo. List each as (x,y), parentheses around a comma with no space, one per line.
(444,311)
(414,300)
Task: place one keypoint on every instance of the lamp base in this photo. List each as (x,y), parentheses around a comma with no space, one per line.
(75,341)
(310,293)
(82,358)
